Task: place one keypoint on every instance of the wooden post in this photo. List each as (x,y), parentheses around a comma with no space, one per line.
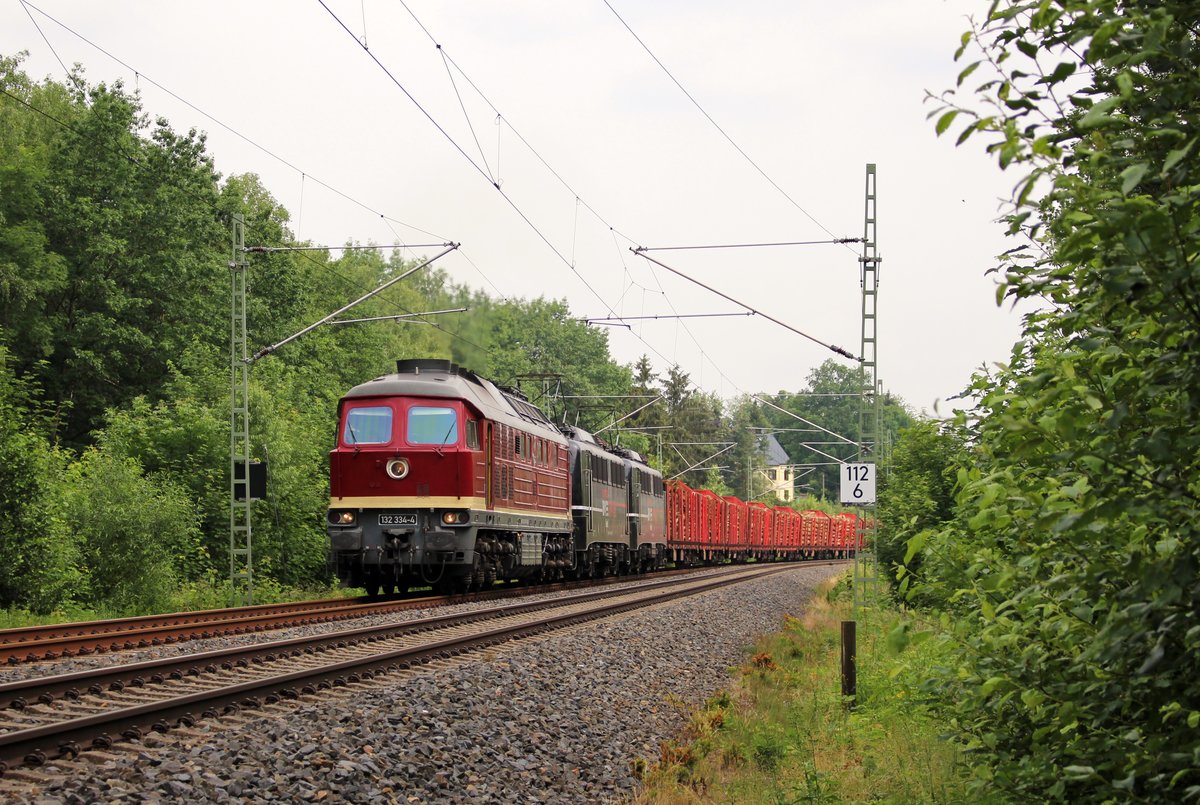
(849,660)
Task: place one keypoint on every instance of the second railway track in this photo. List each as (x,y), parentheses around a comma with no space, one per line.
(55,641)
(65,715)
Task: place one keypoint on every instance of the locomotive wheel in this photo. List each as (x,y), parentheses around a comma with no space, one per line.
(478,572)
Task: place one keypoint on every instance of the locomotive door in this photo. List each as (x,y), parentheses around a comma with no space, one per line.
(585,475)
(488,464)
(633,516)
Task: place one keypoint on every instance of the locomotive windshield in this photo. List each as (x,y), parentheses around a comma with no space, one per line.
(429,425)
(368,425)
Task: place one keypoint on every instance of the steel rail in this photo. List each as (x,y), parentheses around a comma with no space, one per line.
(19,694)
(35,745)
(52,641)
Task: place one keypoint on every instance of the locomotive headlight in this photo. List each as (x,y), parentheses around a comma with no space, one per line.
(397,468)
(341,518)
(454,518)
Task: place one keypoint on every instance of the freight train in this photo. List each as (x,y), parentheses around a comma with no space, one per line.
(441,478)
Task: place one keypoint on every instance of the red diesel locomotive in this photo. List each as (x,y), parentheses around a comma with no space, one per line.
(441,478)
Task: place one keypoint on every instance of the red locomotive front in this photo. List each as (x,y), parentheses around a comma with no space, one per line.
(440,478)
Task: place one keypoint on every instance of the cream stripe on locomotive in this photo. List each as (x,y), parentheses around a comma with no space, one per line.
(441,502)
(407,502)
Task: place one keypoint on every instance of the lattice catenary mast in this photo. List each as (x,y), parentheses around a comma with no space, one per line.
(241,560)
(866,568)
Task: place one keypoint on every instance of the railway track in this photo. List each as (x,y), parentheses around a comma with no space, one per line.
(65,715)
(53,641)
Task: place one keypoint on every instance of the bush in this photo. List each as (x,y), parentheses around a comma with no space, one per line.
(38,561)
(134,531)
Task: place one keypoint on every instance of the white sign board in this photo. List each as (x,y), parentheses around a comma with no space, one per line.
(858,483)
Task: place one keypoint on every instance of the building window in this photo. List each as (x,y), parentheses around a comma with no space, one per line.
(771,474)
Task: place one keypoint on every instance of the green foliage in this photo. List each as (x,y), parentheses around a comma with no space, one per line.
(917,493)
(110,233)
(1075,572)
(134,532)
(38,559)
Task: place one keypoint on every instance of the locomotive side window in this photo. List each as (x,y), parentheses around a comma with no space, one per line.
(472,434)
(432,425)
(368,425)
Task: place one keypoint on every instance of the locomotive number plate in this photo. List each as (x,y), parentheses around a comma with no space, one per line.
(397,519)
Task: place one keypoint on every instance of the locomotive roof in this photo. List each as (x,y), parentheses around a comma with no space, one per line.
(438,378)
(590,444)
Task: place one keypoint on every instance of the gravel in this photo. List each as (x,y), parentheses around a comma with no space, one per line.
(562,719)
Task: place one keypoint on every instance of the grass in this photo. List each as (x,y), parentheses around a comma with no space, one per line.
(782,733)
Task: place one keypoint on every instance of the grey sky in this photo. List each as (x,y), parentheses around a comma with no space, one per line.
(812,91)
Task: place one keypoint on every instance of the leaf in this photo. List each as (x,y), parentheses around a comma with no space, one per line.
(1061,73)
(991,684)
(1174,157)
(970,68)
(963,42)
(1127,783)
(1132,176)
(967,132)
(945,120)
(1125,84)
(1098,114)
(915,544)
(897,639)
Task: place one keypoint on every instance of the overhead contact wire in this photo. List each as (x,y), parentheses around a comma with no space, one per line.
(447,57)
(387,220)
(749,245)
(211,204)
(579,200)
(500,118)
(723,295)
(227,127)
(466,156)
(710,119)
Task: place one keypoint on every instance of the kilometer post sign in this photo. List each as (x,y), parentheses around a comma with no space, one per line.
(858,483)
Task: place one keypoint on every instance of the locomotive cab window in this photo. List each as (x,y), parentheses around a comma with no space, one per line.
(368,425)
(432,425)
